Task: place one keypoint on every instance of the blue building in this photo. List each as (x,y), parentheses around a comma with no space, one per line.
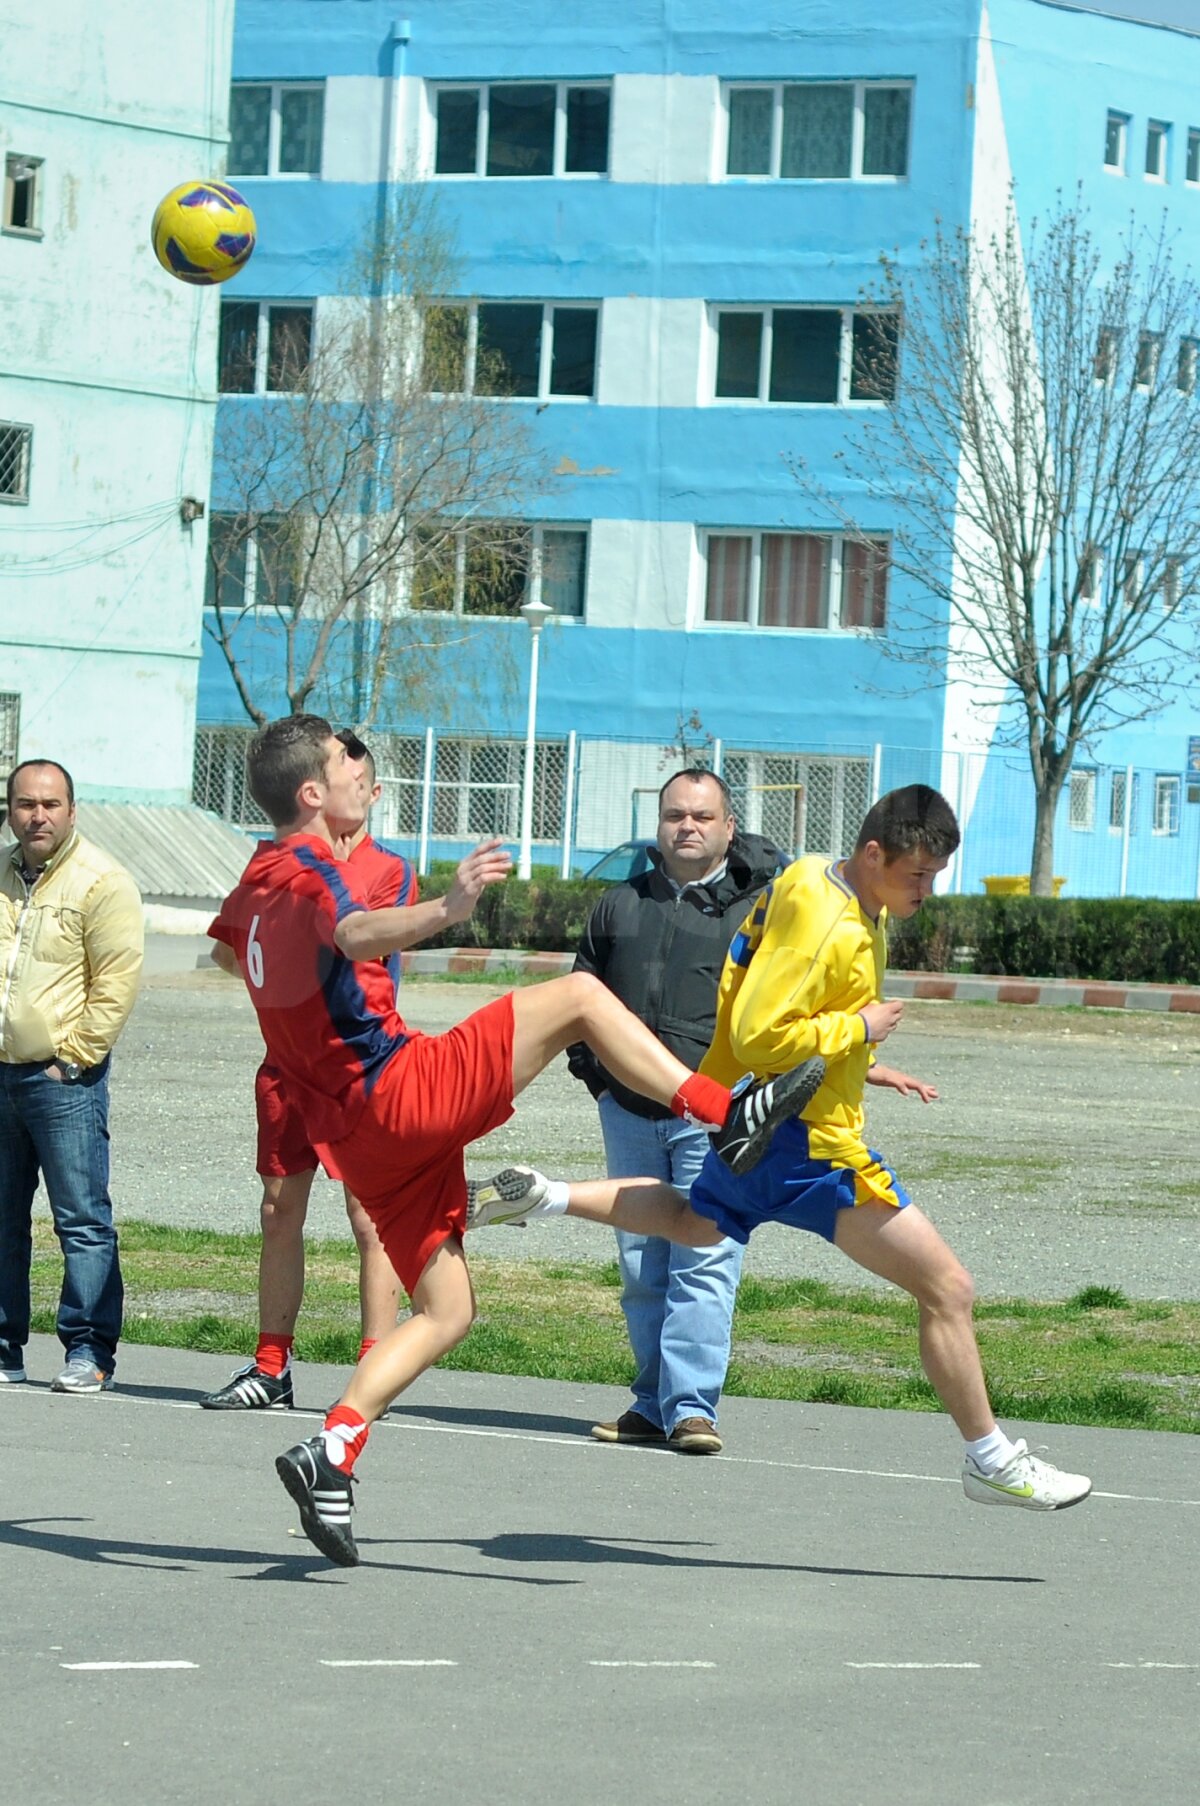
(668,215)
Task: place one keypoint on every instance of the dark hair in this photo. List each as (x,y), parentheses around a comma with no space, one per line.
(358,750)
(68,780)
(697,774)
(282,756)
(913,819)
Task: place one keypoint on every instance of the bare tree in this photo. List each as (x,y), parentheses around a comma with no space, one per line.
(1041,452)
(377,482)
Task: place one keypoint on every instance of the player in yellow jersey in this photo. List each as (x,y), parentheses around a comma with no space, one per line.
(804,977)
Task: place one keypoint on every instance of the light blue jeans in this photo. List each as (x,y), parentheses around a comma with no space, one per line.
(678,1302)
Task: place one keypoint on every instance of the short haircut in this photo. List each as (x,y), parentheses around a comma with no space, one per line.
(68,780)
(282,756)
(358,750)
(697,773)
(914,819)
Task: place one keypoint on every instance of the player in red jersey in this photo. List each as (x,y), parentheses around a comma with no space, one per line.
(287,1165)
(395,1108)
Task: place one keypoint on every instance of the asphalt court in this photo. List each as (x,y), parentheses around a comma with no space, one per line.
(818,1614)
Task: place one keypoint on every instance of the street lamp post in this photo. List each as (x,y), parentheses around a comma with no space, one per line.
(535,614)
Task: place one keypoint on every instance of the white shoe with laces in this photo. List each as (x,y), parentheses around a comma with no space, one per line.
(508,1197)
(1026,1481)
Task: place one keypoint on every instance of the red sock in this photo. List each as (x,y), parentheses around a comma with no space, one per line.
(273,1354)
(345,1434)
(367,1342)
(702,1101)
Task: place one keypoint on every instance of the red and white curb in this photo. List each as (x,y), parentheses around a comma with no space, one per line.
(945,987)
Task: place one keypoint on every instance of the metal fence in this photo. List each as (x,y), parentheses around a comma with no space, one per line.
(1120,830)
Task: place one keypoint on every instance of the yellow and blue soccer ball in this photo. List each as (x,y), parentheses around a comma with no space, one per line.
(203,232)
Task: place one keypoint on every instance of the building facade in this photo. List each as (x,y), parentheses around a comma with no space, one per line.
(669,222)
(107,389)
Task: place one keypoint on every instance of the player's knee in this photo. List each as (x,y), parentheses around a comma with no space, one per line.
(952,1290)
(587,993)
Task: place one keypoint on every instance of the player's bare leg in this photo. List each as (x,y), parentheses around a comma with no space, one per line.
(378,1287)
(642,1206)
(443,1310)
(904,1247)
(281,1254)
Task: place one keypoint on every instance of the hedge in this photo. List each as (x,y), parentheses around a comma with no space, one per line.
(1130,940)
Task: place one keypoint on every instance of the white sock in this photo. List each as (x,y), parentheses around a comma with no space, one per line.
(554,1204)
(991,1452)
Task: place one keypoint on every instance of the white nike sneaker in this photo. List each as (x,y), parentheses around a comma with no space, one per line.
(1034,1485)
(508,1197)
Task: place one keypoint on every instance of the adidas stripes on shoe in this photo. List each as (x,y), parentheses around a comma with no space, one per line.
(252,1390)
(323,1494)
(759,1108)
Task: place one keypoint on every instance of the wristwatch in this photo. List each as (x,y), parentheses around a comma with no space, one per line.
(71,1071)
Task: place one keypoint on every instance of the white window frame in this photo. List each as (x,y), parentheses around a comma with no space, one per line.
(1131,579)
(1193,158)
(1149,344)
(1104,361)
(1081,799)
(10,729)
(1158,132)
(1171,586)
(19,498)
(1118,800)
(20,168)
(263,342)
(545,348)
(533,588)
(249,602)
(273,172)
(855,173)
(1168,788)
(1091,576)
(1186,366)
(1121,121)
(837,543)
(558,170)
(767,313)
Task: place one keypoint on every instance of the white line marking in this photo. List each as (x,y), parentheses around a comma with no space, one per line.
(586,1445)
(96,1667)
(388,1662)
(912,1664)
(1189,1666)
(652,1664)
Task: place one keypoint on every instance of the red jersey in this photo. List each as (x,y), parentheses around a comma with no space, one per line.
(390,883)
(330,1023)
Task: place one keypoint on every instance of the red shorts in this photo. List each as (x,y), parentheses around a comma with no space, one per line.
(403,1159)
(283,1145)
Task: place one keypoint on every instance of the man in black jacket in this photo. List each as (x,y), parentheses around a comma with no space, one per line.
(659,942)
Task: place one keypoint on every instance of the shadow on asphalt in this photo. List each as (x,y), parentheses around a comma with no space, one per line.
(477,1419)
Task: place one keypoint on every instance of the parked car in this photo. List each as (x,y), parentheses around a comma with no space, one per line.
(629,860)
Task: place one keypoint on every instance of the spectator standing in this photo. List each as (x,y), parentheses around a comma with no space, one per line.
(71,944)
(659,943)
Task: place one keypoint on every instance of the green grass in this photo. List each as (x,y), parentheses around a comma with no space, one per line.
(1096,1358)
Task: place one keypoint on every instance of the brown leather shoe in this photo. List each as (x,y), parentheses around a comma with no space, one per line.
(695,1436)
(631,1426)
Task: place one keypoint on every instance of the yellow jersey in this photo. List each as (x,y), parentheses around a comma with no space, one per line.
(804,963)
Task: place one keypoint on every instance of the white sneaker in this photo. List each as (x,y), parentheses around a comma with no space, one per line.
(1035,1485)
(12,1376)
(82,1375)
(507,1197)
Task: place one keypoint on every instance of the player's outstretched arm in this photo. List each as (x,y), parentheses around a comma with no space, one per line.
(891,1080)
(374,933)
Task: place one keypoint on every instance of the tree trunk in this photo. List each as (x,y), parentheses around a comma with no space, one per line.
(1041,868)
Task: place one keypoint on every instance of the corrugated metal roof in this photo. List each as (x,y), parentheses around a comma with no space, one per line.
(170,851)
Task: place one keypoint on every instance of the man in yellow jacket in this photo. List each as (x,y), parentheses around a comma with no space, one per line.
(70,954)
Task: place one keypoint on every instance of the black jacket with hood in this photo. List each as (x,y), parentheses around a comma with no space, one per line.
(661,950)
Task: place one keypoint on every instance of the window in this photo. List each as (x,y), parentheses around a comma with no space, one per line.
(276,129)
(1081,801)
(1091,575)
(809,354)
(1104,363)
(1145,369)
(1129,588)
(23,195)
(522,129)
(819,131)
(1117,803)
(264,346)
(1157,135)
(1114,141)
(1166,803)
(10,728)
(1192,168)
(495,569)
(253,566)
(1172,582)
(1185,371)
(16,445)
(539,350)
(807,581)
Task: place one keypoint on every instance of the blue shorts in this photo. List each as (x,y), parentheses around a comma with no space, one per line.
(788,1187)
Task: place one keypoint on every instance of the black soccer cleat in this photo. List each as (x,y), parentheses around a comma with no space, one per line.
(323,1494)
(252,1390)
(756,1112)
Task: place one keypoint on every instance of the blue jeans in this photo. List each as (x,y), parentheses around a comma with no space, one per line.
(678,1302)
(63,1131)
